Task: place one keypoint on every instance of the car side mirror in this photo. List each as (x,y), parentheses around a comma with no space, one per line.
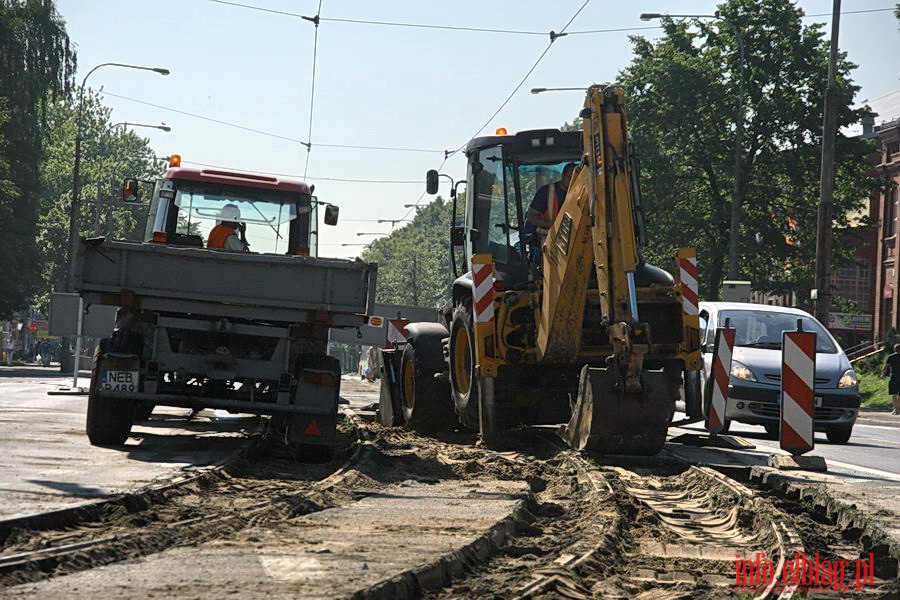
(431,182)
(130,190)
(331,214)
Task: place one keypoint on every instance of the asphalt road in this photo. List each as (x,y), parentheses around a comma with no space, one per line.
(872,451)
(46,461)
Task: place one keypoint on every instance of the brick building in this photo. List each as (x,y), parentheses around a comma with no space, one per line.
(885,206)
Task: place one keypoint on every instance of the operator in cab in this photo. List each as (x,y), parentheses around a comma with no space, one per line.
(547,202)
(230,233)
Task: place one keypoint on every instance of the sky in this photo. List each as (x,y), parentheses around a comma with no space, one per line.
(241,96)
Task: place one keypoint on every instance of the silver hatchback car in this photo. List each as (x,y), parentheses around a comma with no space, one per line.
(754,385)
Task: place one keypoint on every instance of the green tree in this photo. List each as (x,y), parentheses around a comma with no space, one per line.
(682,102)
(413,261)
(109,154)
(36,64)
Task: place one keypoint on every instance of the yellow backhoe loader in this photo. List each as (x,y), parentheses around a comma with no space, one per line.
(568,325)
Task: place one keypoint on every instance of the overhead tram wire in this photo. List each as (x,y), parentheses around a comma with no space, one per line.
(553,37)
(275,135)
(312,91)
(295,176)
(483,29)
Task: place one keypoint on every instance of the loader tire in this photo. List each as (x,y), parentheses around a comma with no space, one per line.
(108,420)
(423,398)
(463,382)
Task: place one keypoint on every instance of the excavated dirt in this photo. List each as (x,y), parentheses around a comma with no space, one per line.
(595,530)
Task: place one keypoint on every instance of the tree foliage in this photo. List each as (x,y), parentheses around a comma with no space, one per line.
(683,92)
(413,261)
(109,153)
(36,65)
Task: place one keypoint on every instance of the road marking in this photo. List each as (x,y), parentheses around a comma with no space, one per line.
(876,472)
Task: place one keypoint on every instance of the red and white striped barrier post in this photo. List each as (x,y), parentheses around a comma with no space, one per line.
(687,271)
(719,374)
(798,373)
(396,332)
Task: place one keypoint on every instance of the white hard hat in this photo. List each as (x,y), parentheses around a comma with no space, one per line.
(230,212)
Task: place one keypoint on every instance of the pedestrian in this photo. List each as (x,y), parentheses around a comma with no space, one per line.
(44,349)
(892,368)
(11,347)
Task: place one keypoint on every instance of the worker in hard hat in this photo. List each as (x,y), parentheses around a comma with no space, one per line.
(230,233)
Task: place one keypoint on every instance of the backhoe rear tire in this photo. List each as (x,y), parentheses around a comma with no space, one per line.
(463,381)
(423,398)
(108,420)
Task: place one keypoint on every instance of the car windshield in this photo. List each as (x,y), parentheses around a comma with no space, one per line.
(267,215)
(763,329)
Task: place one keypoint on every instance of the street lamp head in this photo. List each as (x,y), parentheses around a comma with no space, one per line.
(161,71)
(538,90)
(650,16)
(164,127)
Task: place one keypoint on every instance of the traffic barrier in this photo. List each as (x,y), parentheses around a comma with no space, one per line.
(687,271)
(719,374)
(396,332)
(798,372)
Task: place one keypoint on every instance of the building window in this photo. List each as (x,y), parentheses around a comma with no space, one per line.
(890,149)
(890,213)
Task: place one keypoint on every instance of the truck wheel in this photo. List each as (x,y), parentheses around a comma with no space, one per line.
(143,409)
(839,434)
(389,411)
(108,419)
(424,399)
(463,384)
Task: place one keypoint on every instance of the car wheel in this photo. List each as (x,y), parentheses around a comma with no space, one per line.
(839,434)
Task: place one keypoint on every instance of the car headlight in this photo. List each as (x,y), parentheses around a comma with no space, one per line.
(740,371)
(848,379)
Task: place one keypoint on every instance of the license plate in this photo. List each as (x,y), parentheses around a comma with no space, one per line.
(817,401)
(118,381)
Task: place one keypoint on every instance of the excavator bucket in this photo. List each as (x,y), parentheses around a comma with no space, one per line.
(608,420)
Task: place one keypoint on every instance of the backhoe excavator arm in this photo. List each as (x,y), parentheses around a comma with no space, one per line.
(596,226)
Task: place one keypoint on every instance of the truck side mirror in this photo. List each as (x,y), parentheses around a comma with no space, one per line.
(331,214)
(458,236)
(431,182)
(130,190)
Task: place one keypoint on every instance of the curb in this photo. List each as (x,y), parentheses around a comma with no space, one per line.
(413,582)
(868,531)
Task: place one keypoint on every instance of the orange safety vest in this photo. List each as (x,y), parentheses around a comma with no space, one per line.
(552,209)
(218,235)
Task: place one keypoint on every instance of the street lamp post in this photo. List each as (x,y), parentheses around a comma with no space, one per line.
(737,198)
(74,207)
(393,222)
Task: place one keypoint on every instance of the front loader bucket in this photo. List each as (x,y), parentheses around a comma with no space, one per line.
(607,420)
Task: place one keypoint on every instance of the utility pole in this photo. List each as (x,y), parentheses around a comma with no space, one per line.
(826,183)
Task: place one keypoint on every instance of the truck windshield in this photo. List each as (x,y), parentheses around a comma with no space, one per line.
(763,329)
(268,215)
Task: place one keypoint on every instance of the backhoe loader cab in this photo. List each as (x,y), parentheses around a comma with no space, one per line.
(570,325)
(504,173)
